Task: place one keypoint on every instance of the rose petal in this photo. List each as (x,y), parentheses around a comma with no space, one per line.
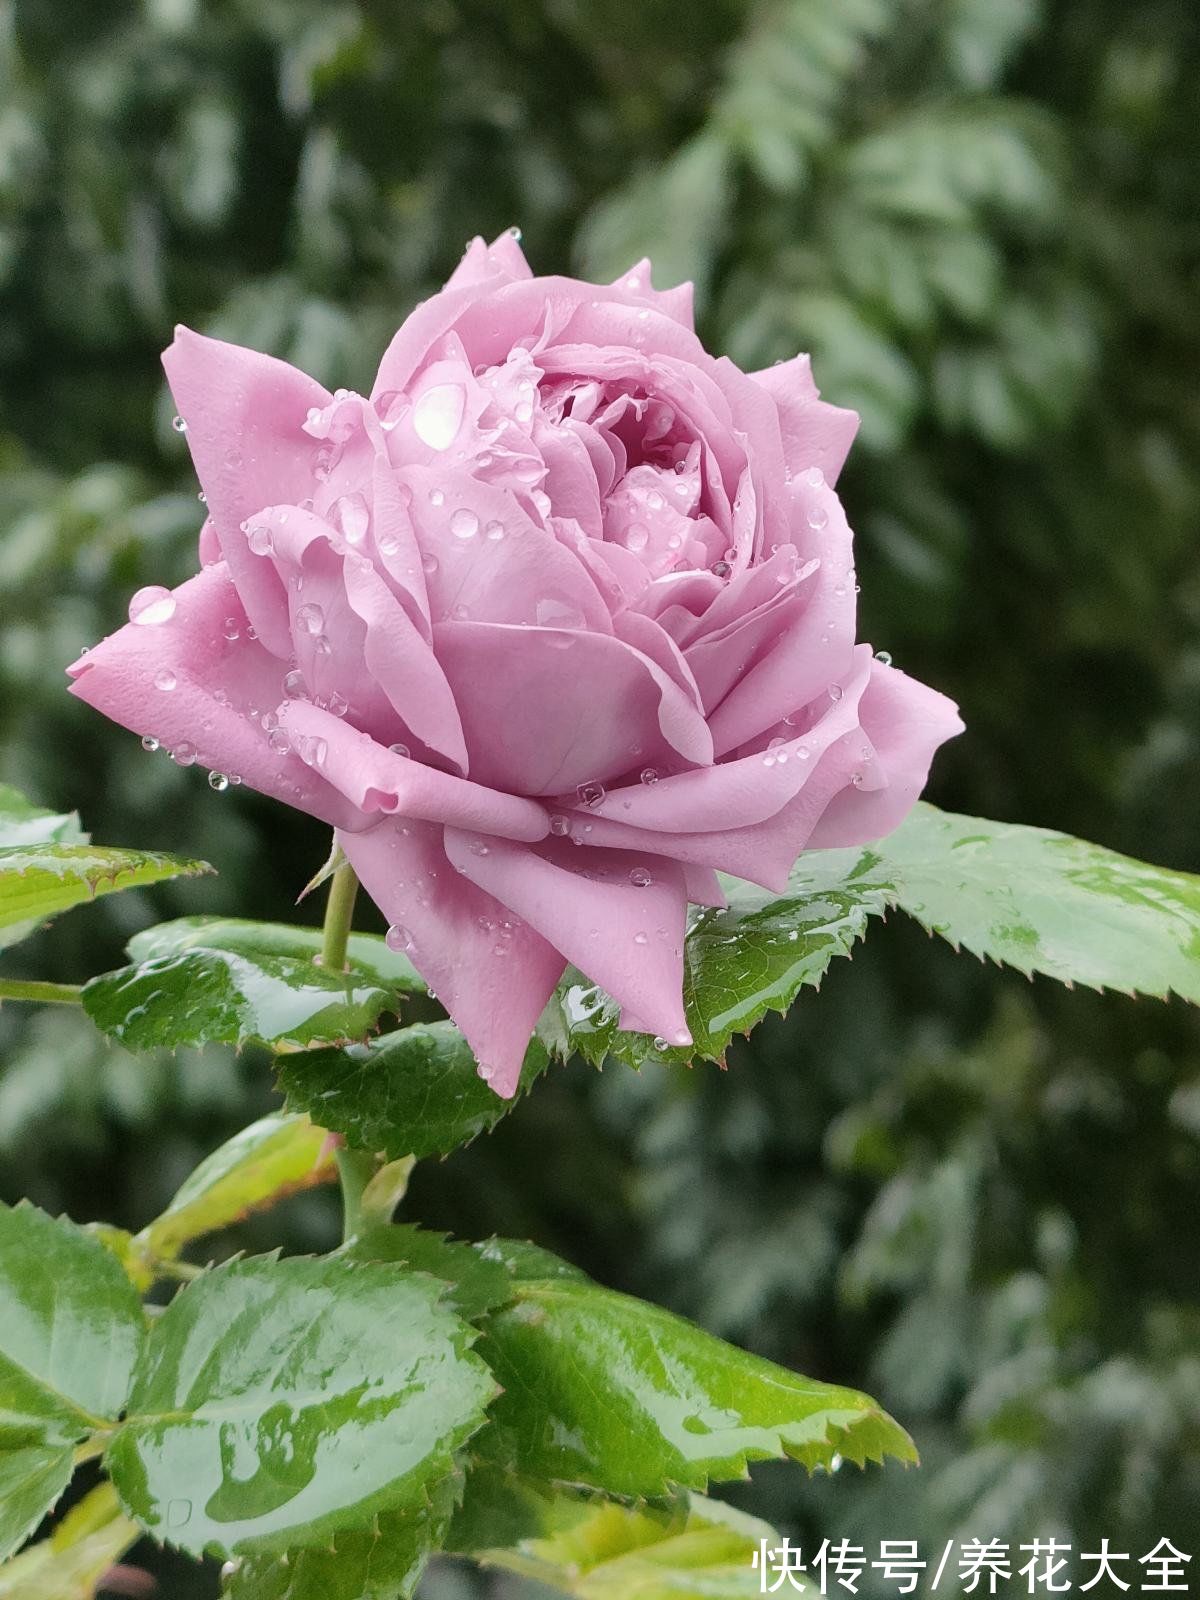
(625,937)
(815,434)
(244,413)
(492,973)
(218,691)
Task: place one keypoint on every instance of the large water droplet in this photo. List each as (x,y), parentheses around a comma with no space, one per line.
(637,536)
(438,414)
(398,938)
(218,781)
(884,657)
(351,515)
(294,685)
(310,619)
(184,754)
(640,877)
(165,679)
(151,606)
(591,794)
(150,744)
(464,524)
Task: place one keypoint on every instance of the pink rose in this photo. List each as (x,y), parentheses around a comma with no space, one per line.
(553,627)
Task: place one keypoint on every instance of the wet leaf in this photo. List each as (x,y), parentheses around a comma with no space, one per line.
(695,1549)
(272,1158)
(382,1562)
(415,1092)
(69,1563)
(1038,901)
(71,1328)
(22,823)
(614,1393)
(223,980)
(284,1403)
(38,881)
(475,1283)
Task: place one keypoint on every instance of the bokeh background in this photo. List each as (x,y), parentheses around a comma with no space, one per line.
(978,1197)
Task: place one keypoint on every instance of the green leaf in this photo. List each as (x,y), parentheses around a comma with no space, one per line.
(272,1158)
(71,1328)
(415,1092)
(71,1561)
(475,1282)
(38,881)
(739,963)
(616,1394)
(22,823)
(1044,902)
(284,1403)
(696,1549)
(1031,899)
(382,1562)
(210,980)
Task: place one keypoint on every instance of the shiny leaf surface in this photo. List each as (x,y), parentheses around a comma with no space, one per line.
(475,1283)
(381,1562)
(414,1092)
(22,823)
(71,1328)
(614,1393)
(40,880)
(1031,899)
(272,1158)
(209,980)
(71,1561)
(283,1403)
(696,1549)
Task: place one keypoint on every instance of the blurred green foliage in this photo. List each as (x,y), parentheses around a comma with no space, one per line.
(975,1197)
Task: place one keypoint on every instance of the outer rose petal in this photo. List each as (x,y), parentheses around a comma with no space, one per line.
(482,263)
(244,413)
(376,780)
(627,939)
(906,721)
(815,434)
(492,973)
(216,684)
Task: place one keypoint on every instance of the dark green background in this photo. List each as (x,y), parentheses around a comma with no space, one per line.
(975,1196)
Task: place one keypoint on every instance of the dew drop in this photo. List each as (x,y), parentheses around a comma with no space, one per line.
(150,744)
(165,679)
(429,563)
(294,685)
(231,628)
(184,754)
(398,938)
(817,518)
(835,692)
(279,741)
(641,937)
(720,569)
(637,536)
(494,530)
(884,657)
(179,424)
(338,704)
(560,826)
(640,877)
(436,497)
(438,415)
(464,524)
(352,518)
(218,781)
(661,1045)
(816,477)
(310,619)
(648,775)
(591,794)
(400,750)
(151,606)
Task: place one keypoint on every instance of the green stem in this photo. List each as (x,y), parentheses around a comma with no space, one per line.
(339,914)
(63,994)
(356,1168)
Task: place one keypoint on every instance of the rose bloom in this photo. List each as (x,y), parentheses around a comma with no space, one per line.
(556,625)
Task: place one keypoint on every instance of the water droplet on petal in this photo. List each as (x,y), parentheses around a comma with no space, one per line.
(310,619)
(884,657)
(815,476)
(494,530)
(464,524)
(478,848)
(661,1045)
(184,754)
(294,685)
(720,569)
(398,938)
(560,826)
(400,750)
(641,937)
(438,414)
(591,794)
(640,877)
(835,692)
(279,741)
(150,744)
(352,517)
(231,628)
(165,679)
(218,781)
(648,775)
(429,563)
(179,424)
(338,704)
(436,497)
(151,606)
(817,518)
(637,536)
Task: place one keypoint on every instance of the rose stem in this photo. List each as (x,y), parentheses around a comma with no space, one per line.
(355,1167)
